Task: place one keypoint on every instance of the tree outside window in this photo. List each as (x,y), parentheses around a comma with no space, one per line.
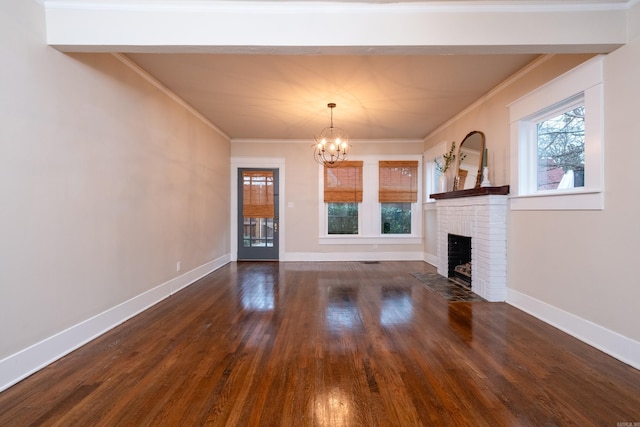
(342,218)
(561,150)
(396,218)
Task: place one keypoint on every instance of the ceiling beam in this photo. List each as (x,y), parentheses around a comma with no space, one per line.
(333,27)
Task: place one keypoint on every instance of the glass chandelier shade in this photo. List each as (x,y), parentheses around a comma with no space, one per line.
(332,144)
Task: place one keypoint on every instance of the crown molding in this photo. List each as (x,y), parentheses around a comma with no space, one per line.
(274,6)
(168,92)
(311,141)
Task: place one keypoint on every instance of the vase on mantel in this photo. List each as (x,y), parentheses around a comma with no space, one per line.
(442,183)
(485,177)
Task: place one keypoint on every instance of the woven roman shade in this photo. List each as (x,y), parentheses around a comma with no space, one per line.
(257,194)
(398,181)
(343,183)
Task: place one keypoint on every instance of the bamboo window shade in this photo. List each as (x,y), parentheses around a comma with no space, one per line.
(257,194)
(398,181)
(343,183)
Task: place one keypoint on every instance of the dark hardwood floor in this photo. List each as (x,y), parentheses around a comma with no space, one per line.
(327,344)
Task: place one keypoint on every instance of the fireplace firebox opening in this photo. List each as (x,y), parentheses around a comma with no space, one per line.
(459,251)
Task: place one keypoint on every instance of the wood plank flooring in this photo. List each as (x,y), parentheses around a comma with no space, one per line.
(327,344)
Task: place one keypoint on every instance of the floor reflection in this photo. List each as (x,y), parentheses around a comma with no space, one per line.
(460,317)
(333,408)
(342,309)
(397,306)
(258,291)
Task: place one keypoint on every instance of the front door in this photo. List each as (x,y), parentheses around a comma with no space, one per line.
(257,214)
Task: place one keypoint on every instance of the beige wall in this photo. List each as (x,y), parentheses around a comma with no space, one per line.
(491,116)
(633,21)
(302,189)
(581,262)
(106,183)
(586,262)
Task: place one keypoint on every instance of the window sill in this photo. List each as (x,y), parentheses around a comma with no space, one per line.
(570,200)
(370,240)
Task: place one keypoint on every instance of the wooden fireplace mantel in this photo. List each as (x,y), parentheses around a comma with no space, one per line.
(481,191)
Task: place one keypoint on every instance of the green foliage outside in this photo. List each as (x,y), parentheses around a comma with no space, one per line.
(343,218)
(396,218)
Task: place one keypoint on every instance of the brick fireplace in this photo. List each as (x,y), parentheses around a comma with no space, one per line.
(480,214)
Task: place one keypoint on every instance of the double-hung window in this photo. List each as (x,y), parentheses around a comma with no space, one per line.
(556,139)
(372,200)
(342,194)
(397,190)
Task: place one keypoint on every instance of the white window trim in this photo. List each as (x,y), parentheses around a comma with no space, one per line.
(430,180)
(586,79)
(369,227)
(527,138)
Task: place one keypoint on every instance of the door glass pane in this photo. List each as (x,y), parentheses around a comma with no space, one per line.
(257,229)
(257,199)
(258,232)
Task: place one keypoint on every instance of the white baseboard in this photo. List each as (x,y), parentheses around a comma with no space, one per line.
(20,365)
(431,259)
(354,256)
(614,344)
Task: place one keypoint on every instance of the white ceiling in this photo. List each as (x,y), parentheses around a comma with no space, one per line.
(285,97)
(382,92)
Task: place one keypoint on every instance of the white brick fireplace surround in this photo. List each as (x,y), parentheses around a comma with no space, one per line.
(484,219)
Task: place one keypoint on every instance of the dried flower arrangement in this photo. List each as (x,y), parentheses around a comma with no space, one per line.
(449,158)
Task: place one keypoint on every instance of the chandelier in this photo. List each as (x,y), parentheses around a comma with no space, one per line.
(332,145)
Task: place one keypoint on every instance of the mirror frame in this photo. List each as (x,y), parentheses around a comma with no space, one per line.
(479,175)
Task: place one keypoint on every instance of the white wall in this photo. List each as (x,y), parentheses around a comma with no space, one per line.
(576,270)
(105,184)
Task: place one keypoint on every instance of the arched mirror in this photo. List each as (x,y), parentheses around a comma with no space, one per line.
(469,173)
